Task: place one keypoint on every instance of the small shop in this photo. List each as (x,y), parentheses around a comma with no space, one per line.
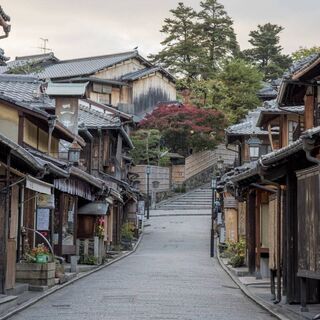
(81,190)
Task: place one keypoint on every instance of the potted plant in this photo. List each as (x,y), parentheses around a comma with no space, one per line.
(37,269)
(127,235)
(40,254)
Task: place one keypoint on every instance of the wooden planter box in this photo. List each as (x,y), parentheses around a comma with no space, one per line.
(36,274)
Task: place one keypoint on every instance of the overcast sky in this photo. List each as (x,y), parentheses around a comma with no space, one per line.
(78,28)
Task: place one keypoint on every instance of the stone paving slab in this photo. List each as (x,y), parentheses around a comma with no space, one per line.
(170,277)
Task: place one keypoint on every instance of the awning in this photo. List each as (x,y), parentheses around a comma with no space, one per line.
(38,185)
(97,208)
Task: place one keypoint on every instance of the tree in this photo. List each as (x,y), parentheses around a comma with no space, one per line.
(147,147)
(186,128)
(235,90)
(181,49)
(266,51)
(304,52)
(217,36)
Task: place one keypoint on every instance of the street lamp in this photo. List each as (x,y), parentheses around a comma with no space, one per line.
(213,187)
(254,147)
(148,170)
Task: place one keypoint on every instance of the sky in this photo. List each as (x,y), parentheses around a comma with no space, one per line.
(79,28)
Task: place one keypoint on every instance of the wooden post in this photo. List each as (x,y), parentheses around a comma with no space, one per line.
(309,109)
(279,194)
(250,232)
(258,235)
(304,295)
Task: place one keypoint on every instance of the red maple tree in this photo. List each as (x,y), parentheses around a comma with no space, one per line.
(186,128)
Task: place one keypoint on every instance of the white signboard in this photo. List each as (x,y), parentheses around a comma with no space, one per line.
(43,219)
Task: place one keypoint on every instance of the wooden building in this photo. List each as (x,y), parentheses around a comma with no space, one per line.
(125,80)
(289,178)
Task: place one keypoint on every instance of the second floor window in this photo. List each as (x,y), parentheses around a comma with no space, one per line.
(292,127)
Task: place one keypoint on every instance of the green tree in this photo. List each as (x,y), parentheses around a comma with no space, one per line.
(304,52)
(266,51)
(217,36)
(147,147)
(181,50)
(235,89)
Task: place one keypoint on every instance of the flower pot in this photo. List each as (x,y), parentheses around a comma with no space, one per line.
(42,258)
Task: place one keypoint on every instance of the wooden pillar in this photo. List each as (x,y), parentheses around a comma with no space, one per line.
(309,109)
(258,234)
(290,237)
(304,295)
(250,232)
(284,243)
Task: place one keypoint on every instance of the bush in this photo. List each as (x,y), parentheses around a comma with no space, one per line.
(127,232)
(86,259)
(236,261)
(236,252)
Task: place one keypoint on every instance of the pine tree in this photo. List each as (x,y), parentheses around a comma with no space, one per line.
(181,49)
(234,91)
(266,51)
(217,36)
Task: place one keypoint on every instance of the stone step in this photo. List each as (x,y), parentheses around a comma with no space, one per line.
(173,207)
(7,302)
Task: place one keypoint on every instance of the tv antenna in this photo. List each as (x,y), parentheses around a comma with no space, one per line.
(44,46)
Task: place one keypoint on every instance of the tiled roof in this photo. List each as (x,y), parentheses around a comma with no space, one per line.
(144,72)
(93,119)
(267,91)
(273,106)
(23,89)
(140,73)
(302,64)
(248,126)
(66,89)
(84,66)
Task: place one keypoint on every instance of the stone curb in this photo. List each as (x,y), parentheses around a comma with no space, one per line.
(252,297)
(59,287)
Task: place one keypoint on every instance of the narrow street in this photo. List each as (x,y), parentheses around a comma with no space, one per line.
(171,276)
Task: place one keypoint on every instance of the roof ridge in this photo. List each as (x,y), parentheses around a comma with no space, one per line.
(20,78)
(99,57)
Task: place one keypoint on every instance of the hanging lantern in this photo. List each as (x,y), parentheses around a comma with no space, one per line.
(74,153)
(254,147)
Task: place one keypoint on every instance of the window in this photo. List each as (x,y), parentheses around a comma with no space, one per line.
(292,126)
(104,98)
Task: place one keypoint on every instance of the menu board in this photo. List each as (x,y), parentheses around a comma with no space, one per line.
(43,219)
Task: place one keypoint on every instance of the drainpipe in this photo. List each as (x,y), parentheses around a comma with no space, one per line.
(90,138)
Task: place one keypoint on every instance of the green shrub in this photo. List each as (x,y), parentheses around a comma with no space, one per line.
(236,252)
(127,232)
(236,261)
(86,259)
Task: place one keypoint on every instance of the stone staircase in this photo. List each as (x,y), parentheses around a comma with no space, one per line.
(199,199)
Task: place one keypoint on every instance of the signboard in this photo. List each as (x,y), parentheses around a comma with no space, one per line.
(38,185)
(43,219)
(45,201)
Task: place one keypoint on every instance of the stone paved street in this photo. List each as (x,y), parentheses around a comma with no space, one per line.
(171,276)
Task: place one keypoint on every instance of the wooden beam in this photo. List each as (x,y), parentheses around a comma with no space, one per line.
(309,109)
